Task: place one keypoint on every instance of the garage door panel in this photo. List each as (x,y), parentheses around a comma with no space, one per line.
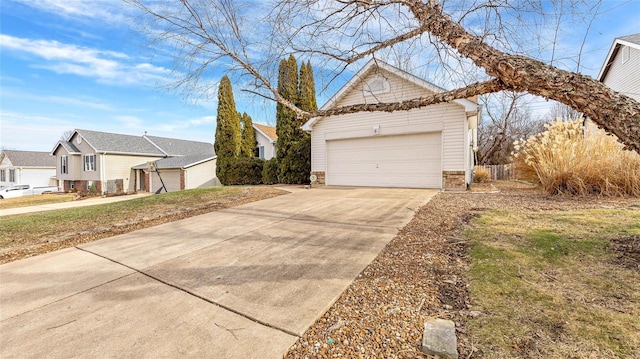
(391,161)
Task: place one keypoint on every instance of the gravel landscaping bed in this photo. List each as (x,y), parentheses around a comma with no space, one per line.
(421,274)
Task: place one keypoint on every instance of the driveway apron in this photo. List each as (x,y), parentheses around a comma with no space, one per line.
(238,283)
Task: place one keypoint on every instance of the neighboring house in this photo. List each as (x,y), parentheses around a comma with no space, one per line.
(621,68)
(266,138)
(37,169)
(111,162)
(429,147)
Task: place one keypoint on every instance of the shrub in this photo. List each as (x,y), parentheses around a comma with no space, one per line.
(243,171)
(481,174)
(270,171)
(568,159)
(295,167)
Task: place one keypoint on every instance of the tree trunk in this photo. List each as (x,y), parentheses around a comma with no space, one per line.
(616,113)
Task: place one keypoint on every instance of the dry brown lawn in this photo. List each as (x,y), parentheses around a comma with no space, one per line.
(444,264)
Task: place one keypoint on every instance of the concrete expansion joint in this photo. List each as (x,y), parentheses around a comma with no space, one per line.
(263,323)
(67,297)
(354,225)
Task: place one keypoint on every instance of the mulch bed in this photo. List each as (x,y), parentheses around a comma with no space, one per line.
(421,274)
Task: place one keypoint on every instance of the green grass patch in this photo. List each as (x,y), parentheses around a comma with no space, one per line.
(36,227)
(549,286)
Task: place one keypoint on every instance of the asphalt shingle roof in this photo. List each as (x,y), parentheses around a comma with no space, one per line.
(114,142)
(635,38)
(69,147)
(178,161)
(268,130)
(30,158)
(177,147)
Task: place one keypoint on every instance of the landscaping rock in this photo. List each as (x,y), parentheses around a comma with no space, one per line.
(439,338)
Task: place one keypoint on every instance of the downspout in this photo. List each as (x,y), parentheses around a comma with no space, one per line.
(473,126)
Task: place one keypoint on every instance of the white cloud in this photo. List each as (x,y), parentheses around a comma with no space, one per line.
(106,10)
(110,67)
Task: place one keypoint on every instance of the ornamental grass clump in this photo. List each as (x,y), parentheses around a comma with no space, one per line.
(567,159)
(481,174)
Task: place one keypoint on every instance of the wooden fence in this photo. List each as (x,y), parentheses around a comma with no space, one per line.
(500,172)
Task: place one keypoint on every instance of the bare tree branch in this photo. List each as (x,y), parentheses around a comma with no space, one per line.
(441,97)
(209,31)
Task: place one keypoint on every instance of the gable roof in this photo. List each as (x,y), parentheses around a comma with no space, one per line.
(372,65)
(629,40)
(30,158)
(267,131)
(116,143)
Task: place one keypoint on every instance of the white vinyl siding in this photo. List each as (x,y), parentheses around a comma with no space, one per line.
(453,144)
(625,77)
(400,89)
(448,118)
(201,175)
(386,161)
(119,167)
(268,147)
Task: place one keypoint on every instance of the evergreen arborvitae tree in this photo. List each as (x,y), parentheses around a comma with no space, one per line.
(301,147)
(288,88)
(294,145)
(286,118)
(248,146)
(228,137)
(307,89)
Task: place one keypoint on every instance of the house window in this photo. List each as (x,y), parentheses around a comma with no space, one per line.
(625,54)
(64,168)
(3,176)
(12,175)
(89,162)
(260,151)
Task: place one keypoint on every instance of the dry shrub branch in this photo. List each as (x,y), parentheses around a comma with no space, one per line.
(566,158)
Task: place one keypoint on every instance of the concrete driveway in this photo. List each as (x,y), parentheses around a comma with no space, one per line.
(239,283)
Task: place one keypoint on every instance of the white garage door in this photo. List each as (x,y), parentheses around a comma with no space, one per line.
(170,177)
(412,161)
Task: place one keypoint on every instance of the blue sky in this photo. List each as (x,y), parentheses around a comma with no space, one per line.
(69,64)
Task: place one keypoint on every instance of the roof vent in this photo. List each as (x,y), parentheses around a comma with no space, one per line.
(376,85)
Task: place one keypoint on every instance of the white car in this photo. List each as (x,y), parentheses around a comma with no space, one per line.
(21,190)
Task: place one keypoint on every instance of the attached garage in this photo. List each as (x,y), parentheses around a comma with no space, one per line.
(177,173)
(427,147)
(412,161)
(170,178)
